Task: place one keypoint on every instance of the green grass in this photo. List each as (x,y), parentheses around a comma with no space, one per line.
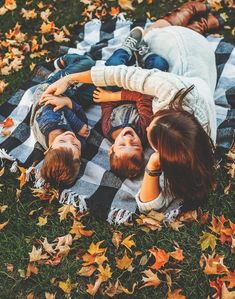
(22,231)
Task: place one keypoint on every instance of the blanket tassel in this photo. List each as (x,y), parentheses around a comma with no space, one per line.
(69,197)
(119,216)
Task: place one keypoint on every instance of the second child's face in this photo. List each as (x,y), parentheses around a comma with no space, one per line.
(68,140)
(127,143)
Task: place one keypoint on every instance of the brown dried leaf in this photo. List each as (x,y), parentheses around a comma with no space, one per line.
(2,225)
(65,210)
(36,255)
(116,239)
(3,85)
(151,279)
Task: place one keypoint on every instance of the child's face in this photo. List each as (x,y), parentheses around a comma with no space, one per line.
(127,143)
(68,140)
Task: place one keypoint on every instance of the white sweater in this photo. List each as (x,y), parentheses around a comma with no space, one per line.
(191,62)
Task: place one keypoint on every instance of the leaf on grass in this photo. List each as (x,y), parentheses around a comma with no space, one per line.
(229,278)
(78,230)
(3,208)
(126,4)
(45,193)
(128,243)
(124,262)
(3,85)
(207,240)
(31,269)
(213,264)
(10,267)
(203,217)
(65,210)
(226,294)
(177,254)
(10,4)
(47,27)
(36,255)
(28,14)
(45,15)
(161,258)
(87,271)
(217,223)
(188,216)
(48,247)
(217,285)
(94,248)
(42,221)
(49,295)
(175,225)
(176,294)
(151,279)
(215,4)
(2,225)
(59,37)
(67,286)
(64,240)
(116,238)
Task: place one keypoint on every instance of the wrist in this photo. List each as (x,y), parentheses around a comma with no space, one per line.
(153,172)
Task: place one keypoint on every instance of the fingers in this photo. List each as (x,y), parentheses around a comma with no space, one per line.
(57,108)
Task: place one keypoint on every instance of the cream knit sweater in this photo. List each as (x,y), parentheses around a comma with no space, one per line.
(191,62)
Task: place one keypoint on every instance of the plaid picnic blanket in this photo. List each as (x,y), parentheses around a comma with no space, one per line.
(106,195)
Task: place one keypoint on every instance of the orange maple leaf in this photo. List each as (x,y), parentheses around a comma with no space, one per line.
(213,264)
(176,295)
(124,262)
(230,278)
(177,254)
(161,256)
(7,123)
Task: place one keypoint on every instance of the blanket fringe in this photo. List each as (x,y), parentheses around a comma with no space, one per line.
(14,167)
(5,155)
(69,197)
(119,216)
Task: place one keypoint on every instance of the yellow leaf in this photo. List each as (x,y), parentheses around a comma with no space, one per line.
(3,10)
(22,177)
(2,225)
(215,4)
(60,37)
(65,210)
(47,27)
(105,273)
(151,279)
(124,262)
(126,4)
(94,248)
(67,286)
(128,243)
(3,85)
(177,254)
(4,207)
(36,255)
(32,66)
(78,230)
(45,15)
(42,221)
(49,295)
(226,294)
(28,14)
(40,5)
(207,240)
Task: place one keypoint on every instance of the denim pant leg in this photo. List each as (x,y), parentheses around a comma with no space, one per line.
(80,64)
(155,61)
(120,56)
(84,95)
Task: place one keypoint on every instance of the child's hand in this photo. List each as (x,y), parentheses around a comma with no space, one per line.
(84,131)
(101,95)
(57,101)
(57,87)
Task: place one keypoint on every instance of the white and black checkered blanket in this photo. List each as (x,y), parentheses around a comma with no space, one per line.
(106,195)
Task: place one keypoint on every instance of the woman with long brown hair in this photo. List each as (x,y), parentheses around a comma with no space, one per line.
(183,130)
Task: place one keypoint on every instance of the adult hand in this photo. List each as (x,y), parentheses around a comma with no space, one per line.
(154,161)
(57,101)
(57,87)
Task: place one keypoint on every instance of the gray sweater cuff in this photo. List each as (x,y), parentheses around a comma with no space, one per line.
(155,204)
(98,75)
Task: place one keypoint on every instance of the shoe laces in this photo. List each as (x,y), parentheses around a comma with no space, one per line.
(143,49)
(131,42)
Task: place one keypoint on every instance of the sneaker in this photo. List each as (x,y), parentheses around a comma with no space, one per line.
(59,64)
(142,53)
(133,40)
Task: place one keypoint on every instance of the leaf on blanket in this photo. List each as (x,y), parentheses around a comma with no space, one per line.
(3,85)
(124,262)
(65,210)
(67,286)
(128,243)
(7,123)
(213,264)
(207,240)
(150,279)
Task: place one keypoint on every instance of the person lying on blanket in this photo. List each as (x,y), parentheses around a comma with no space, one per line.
(125,114)
(182,132)
(60,125)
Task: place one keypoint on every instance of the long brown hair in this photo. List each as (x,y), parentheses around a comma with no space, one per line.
(186,153)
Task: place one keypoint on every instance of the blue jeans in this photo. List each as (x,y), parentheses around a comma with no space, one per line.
(153,61)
